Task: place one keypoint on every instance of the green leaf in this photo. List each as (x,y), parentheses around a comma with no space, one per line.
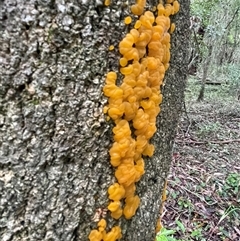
(181,226)
(167,232)
(196,232)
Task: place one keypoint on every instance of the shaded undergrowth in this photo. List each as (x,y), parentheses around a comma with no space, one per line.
(204,184)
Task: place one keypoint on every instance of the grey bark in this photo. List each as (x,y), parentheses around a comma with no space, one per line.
(205,73)
(54,140)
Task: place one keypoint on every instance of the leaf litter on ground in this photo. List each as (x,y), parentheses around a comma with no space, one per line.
(204,181)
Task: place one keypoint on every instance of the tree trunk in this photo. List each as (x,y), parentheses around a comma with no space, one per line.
(206,66)
(54,137)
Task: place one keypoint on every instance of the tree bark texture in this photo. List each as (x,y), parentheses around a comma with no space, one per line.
(54,139)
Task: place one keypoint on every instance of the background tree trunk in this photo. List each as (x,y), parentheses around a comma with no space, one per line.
(205,73)
(54,162)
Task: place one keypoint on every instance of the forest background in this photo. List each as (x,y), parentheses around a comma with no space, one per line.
(204,185)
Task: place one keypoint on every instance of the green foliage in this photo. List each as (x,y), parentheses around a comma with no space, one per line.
(231,212)
(180,226)
(166,235)
(233,81)
(203,9)
(210,129)
(232,185)
(184,203)
(220,20)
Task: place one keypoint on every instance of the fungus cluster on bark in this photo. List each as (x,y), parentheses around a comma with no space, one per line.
(134,105)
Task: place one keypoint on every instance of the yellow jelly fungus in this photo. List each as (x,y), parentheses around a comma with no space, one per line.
(116,192)
(164,195)
(102,223)
(107,2)
(114,206)
(131,206)
(138,8)
(133,105)
(130,190)
(164,198)
(176,6)
(128,20)
(158,226)
(111,47)
(161,9)
(113,235)
(117,214)
(138,24)
(149,150)
(123,62)
(95,235)
(126,174)
(127,70)
(172,28)
(112,75)
(105,109)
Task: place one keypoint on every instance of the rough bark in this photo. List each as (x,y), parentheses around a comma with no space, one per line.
(54,139)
